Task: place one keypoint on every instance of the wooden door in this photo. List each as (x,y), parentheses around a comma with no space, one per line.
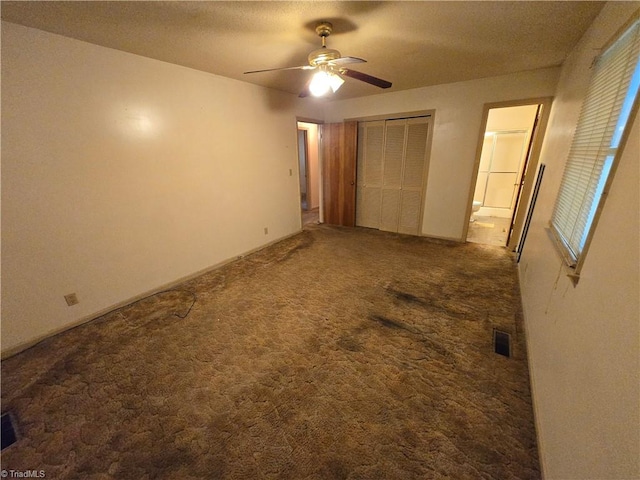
(339,148)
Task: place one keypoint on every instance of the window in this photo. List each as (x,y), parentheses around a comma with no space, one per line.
(600,132)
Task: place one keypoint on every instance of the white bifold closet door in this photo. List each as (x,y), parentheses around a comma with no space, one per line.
(369,173)
(392,165)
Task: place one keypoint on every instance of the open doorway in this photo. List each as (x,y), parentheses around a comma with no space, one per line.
(508,150)
(309,170)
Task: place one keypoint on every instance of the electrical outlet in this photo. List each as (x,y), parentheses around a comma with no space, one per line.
(71,299)
(291,172)
(266,230)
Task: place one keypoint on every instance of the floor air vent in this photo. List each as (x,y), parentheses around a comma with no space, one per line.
(8,432)
(502,343)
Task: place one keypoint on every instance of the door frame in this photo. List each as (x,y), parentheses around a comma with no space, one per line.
(528,175)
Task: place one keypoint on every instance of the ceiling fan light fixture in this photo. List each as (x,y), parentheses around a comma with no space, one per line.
(324,81)
(330,68)
(335,82)
(319,84)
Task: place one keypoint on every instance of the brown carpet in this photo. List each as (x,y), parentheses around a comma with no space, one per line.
(337,353)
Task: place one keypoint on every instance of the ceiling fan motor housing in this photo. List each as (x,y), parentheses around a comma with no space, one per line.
(323,56)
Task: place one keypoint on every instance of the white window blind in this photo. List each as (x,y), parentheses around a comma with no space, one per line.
(604,115)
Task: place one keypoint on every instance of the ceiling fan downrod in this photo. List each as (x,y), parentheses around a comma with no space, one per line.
(323,55)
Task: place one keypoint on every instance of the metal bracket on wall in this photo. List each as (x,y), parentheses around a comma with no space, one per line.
(532,205)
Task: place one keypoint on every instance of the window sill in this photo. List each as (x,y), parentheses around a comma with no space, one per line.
(568,263)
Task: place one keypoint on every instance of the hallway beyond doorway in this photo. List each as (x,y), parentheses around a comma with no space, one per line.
(311,216)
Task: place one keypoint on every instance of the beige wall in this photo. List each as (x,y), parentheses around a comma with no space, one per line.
(121,174)
(458,117)
(584,341)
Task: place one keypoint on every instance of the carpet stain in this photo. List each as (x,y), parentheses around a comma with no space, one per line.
(349,343)
(408,298)
(306,241)
(387,322)
(433,346)
(336,469)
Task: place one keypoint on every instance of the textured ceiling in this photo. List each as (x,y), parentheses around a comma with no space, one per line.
(412,44)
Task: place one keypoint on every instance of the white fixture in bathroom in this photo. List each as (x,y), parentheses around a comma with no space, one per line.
(474,208)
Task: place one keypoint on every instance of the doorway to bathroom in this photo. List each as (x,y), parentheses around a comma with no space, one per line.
(507,153)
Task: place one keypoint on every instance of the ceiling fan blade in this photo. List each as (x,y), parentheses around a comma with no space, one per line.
(347,60)
(363,77)
(301,67)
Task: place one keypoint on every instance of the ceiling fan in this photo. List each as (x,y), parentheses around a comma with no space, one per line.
(330,68)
